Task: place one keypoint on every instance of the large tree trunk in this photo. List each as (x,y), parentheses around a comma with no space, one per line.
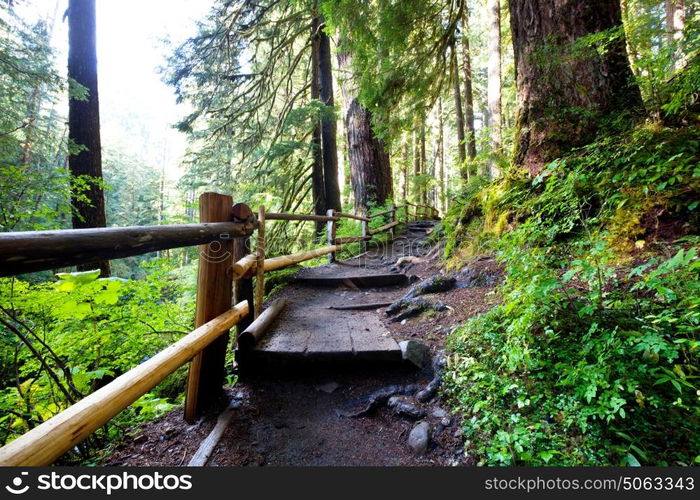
(423,163)
(328,125)
(563,96)
(459,115)
(370,171)
(405,159)
(468,92)
(318,187)
(441,157)
(675,23)
(493,13)
(87,194)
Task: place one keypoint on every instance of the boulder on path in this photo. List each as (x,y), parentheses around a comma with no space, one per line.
(415,352)
(419,438)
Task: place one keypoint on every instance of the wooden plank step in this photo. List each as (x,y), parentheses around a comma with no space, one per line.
(364,281)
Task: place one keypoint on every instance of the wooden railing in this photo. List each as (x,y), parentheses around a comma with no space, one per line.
(226,268)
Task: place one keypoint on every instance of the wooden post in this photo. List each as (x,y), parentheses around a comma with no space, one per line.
(392,207)
(242,288)
(206,375)
(260,271)
(330,230)
(363,244)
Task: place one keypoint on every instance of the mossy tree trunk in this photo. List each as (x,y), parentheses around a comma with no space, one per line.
(565,91)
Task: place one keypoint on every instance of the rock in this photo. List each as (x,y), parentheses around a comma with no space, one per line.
(439,413)
(328,387)
(402,407)
(470,277)
(415,352)
(446,421)
(419,438)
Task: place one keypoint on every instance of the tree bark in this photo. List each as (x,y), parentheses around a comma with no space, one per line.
(87,194)
(405,159)
(459,116)
(318,187)
(370,170)
(441,156)
(469,131)
(423,163)
(493,13)
(675,23)
(563,96)
(328,125)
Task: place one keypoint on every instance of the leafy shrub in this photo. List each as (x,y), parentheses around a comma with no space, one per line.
(592,356)
(62,340)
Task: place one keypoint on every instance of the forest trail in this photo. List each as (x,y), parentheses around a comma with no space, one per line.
(312,329)
(300,405)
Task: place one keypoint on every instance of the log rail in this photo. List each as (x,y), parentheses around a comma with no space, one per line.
(223,262)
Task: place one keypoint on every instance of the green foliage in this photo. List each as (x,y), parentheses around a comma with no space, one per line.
(67,338)
(592,357)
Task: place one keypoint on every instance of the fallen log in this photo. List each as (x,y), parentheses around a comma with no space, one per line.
(258,328)
(206,447)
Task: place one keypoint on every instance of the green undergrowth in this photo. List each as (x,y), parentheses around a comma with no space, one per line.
(72,335)
(592,356)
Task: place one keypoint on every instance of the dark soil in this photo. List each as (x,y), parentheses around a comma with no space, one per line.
(295,418)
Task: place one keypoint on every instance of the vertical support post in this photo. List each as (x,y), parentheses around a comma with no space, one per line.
(330,233)
(242,288)
(207,369)
(260,263)
(415,212)
(363,243)
(392,207)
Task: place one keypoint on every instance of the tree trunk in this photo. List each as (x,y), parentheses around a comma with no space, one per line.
(423,163)
(459,116)
(562,99)
(370,170)
(406,158)
(328,125)
(87,194)
(675,23)
(441,156)
(493,13)
(470,132)
(318,187)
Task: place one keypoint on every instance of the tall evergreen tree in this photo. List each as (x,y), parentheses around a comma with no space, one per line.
(85,163)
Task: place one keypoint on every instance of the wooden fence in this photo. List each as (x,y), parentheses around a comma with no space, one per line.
(226,269)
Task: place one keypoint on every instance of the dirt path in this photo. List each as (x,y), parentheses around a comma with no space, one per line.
(295,416)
